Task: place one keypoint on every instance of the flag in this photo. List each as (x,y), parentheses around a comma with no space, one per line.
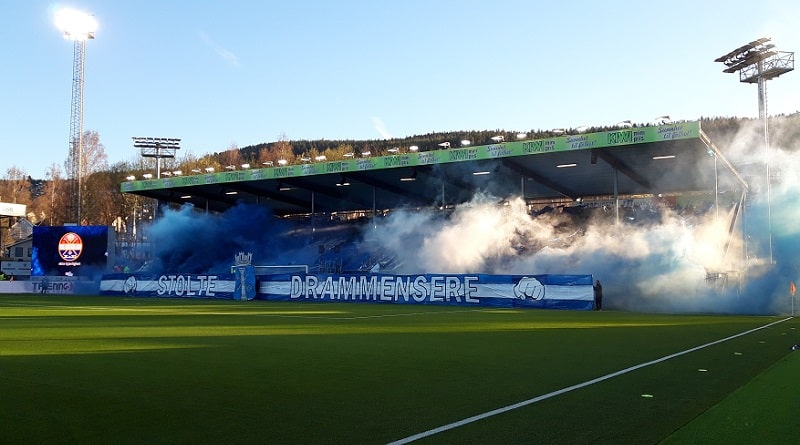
(792,288)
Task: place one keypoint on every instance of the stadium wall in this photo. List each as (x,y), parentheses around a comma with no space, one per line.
(56,285)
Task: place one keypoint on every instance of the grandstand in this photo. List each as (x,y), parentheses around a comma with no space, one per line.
(625,175)
(671,159)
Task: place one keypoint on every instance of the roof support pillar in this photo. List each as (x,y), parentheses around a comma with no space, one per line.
(616,195)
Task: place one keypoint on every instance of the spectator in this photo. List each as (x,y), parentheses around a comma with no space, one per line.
(598,296)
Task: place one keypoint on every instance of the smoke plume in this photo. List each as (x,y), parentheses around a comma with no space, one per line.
(658,258)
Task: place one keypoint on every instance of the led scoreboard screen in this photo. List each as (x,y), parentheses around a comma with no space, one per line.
(71,250)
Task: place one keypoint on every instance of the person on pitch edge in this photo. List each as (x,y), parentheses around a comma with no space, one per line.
(598,295)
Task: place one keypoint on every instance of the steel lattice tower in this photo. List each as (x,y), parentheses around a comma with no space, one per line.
(78,27)
(75,158)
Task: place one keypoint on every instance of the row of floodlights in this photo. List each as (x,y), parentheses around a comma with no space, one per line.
(412,178)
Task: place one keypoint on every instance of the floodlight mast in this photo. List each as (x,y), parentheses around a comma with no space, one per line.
(158,148)
(78,27)
(758,62)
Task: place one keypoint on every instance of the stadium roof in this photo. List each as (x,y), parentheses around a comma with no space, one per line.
(667,159)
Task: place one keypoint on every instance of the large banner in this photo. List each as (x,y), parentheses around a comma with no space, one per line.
(222,286)
(524,291)
(533,291)
(239,285)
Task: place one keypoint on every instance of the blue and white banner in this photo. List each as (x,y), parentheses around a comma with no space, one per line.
(534,291)
(170,285)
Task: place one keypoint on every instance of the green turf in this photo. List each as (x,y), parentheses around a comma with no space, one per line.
(764,411)
(116,370)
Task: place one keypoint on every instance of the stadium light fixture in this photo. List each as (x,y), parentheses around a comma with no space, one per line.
(757,62)
(343,182)
(76,25)
(409,178)
(158,148)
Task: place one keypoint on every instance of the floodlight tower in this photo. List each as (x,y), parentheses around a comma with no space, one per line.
(158,148)
(757,62)
(78,27)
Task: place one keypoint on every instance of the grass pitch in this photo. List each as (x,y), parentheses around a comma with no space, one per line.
(116,370)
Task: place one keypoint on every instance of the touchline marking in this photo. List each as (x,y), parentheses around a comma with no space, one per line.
(364,317)
(504,409)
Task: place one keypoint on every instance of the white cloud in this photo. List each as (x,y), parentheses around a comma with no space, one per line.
(381,127)
(223,53)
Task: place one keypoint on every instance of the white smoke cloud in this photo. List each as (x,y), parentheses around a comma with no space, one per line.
(676,263)
(655,259)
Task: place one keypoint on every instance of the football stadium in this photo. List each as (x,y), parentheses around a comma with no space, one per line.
(441,294)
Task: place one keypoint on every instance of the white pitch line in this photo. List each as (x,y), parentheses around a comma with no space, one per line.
(363,317)
(505,409)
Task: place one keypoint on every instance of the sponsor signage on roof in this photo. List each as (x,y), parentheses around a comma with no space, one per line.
(620,137)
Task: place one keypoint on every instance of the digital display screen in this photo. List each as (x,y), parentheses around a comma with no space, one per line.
(70,250)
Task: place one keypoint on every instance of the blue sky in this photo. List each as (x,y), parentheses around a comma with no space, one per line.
(219,73)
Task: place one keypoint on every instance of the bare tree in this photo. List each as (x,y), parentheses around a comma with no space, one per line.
(280,150)
(15,187)
(93,187)
(231,157)
(54,201)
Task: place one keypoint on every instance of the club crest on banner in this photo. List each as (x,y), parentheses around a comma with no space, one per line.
(243,259)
